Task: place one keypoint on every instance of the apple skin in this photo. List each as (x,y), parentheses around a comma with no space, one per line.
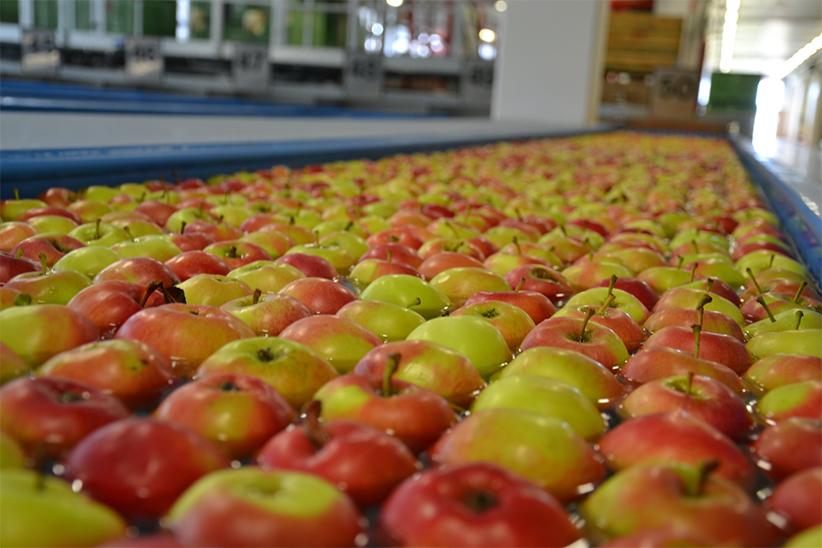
(541,279)
(712,322)
(519,514)
(271,313)
(389,321)
(796,341)
(618,321)
(49,416)
(132,371)
(675,437)
(238,413)
(780,369)
(651,496)
(685,297)
(659,362)
(782,449)
(600,344)
(399,254)
(801,399)
(512,322)
(293,369)
(445,260)
(415,415)
(41,510)
(346,458)
(429,365)
(11,365)
(638,288)
(199,332)
(213,290)
(139,270)
(267,276)
(715,347)
(313,266)
(139,466)
(11,266)
(38,332)
(799,498)
(320,295)
(545,450)
(255,507)
(701,397)
(54,246)
(191,263)
(341,341)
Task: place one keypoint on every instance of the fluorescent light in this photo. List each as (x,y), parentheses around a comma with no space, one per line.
(394,3)
(800,57)
(726,52)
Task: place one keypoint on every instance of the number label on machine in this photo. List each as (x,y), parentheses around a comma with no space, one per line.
(674,93)
(38,51)
(476,82)
(250,67)
(144,60)
(363,76)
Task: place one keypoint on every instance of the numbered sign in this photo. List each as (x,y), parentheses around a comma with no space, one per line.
(476,82)
(363,76)
(674,93)
(38,51)
(144,60)
(250,68)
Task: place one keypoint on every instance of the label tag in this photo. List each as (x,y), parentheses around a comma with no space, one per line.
(363,75)
(38,51)
(250,67)
(143,59)
(476,82)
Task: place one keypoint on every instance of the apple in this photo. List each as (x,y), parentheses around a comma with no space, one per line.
(12,366)
(536,305)
(715,347)
(477,504)
(254,507)
(788,447)
(12,266)
(87,260)
(320,295)
(12,455)
(390,322)
(191,263)
(213,289)
(110,303)
(660,362)
(198,332)
(712,322)
(397,252)
(409,292)
(801,399)
(49,416)
(429,365)
(53,245)
(267,313)
(675,437)
(341,341)
(582,277)
(140,466)
(238,413)
(341,451)
(794,341)
(778,370)
(49,287)
(139,270)
(799,499)
(683,497)
(132,371)
(541,279)
(636,287)
(512,322)
(40,510)
(622,300)
(460,283)
(99,234)
(293,369)
(313,266)
(12,233)
(545,450)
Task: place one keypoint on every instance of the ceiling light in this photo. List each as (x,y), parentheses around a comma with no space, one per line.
(800,57)
(487,35)
(394,3)
(500,5)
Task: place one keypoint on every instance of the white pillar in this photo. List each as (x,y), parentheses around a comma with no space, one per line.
(551,59)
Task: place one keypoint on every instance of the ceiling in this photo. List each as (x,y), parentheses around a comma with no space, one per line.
(768,32)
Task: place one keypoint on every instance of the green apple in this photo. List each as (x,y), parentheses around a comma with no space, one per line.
(762,259)
(546,396)
(390,322)
(472,337)
(87,260)
(138,227)
(351,242)
(663,278)
(689,235)
(274,242)
(40,511)
(460,283)
(152,245)
(232,215)
(267,276)
(589,376)
(809,538)
(335,254)
(789,319)
(11,454)
(213,289)
(409,292)
(807,342)
(90,210)
(185,216)
(99,234)
(596,296)
(55,287)
(799,399)
(52,223)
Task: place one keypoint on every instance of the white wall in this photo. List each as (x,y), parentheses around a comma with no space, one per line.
(550,64)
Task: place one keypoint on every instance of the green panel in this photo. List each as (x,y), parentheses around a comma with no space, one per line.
(159,17)
(45,14)
(10,12)
(294,27)
(200,18)
(82,14)
(733,92)
(246,22)
(120,16)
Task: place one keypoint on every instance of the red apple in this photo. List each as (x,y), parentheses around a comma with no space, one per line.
(190,263)
(320,295)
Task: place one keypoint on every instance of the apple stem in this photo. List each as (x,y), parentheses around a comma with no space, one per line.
(520,284)
(704,469)
(519,215)
(466,215)
(611,284)
(16,194)
(516,244)
(183,227)
(709,285)
(562,229)
(696,246)
(97,228)
(770,263)
(128,233)
(349,226)
(19,253)
(753,279)
(316,238)
(761,300)
(43,262)
(454,230)
(480,501)
(388,256)
(23,299)
(693,270)
(679,261)
(291,220)
(606,304)
(697,336)
(255,297)
(150,288)
(588,315)
(416,302)
(799,291)
(311,424)
(799,314)
(690,383)
(700,307)
(391,366)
